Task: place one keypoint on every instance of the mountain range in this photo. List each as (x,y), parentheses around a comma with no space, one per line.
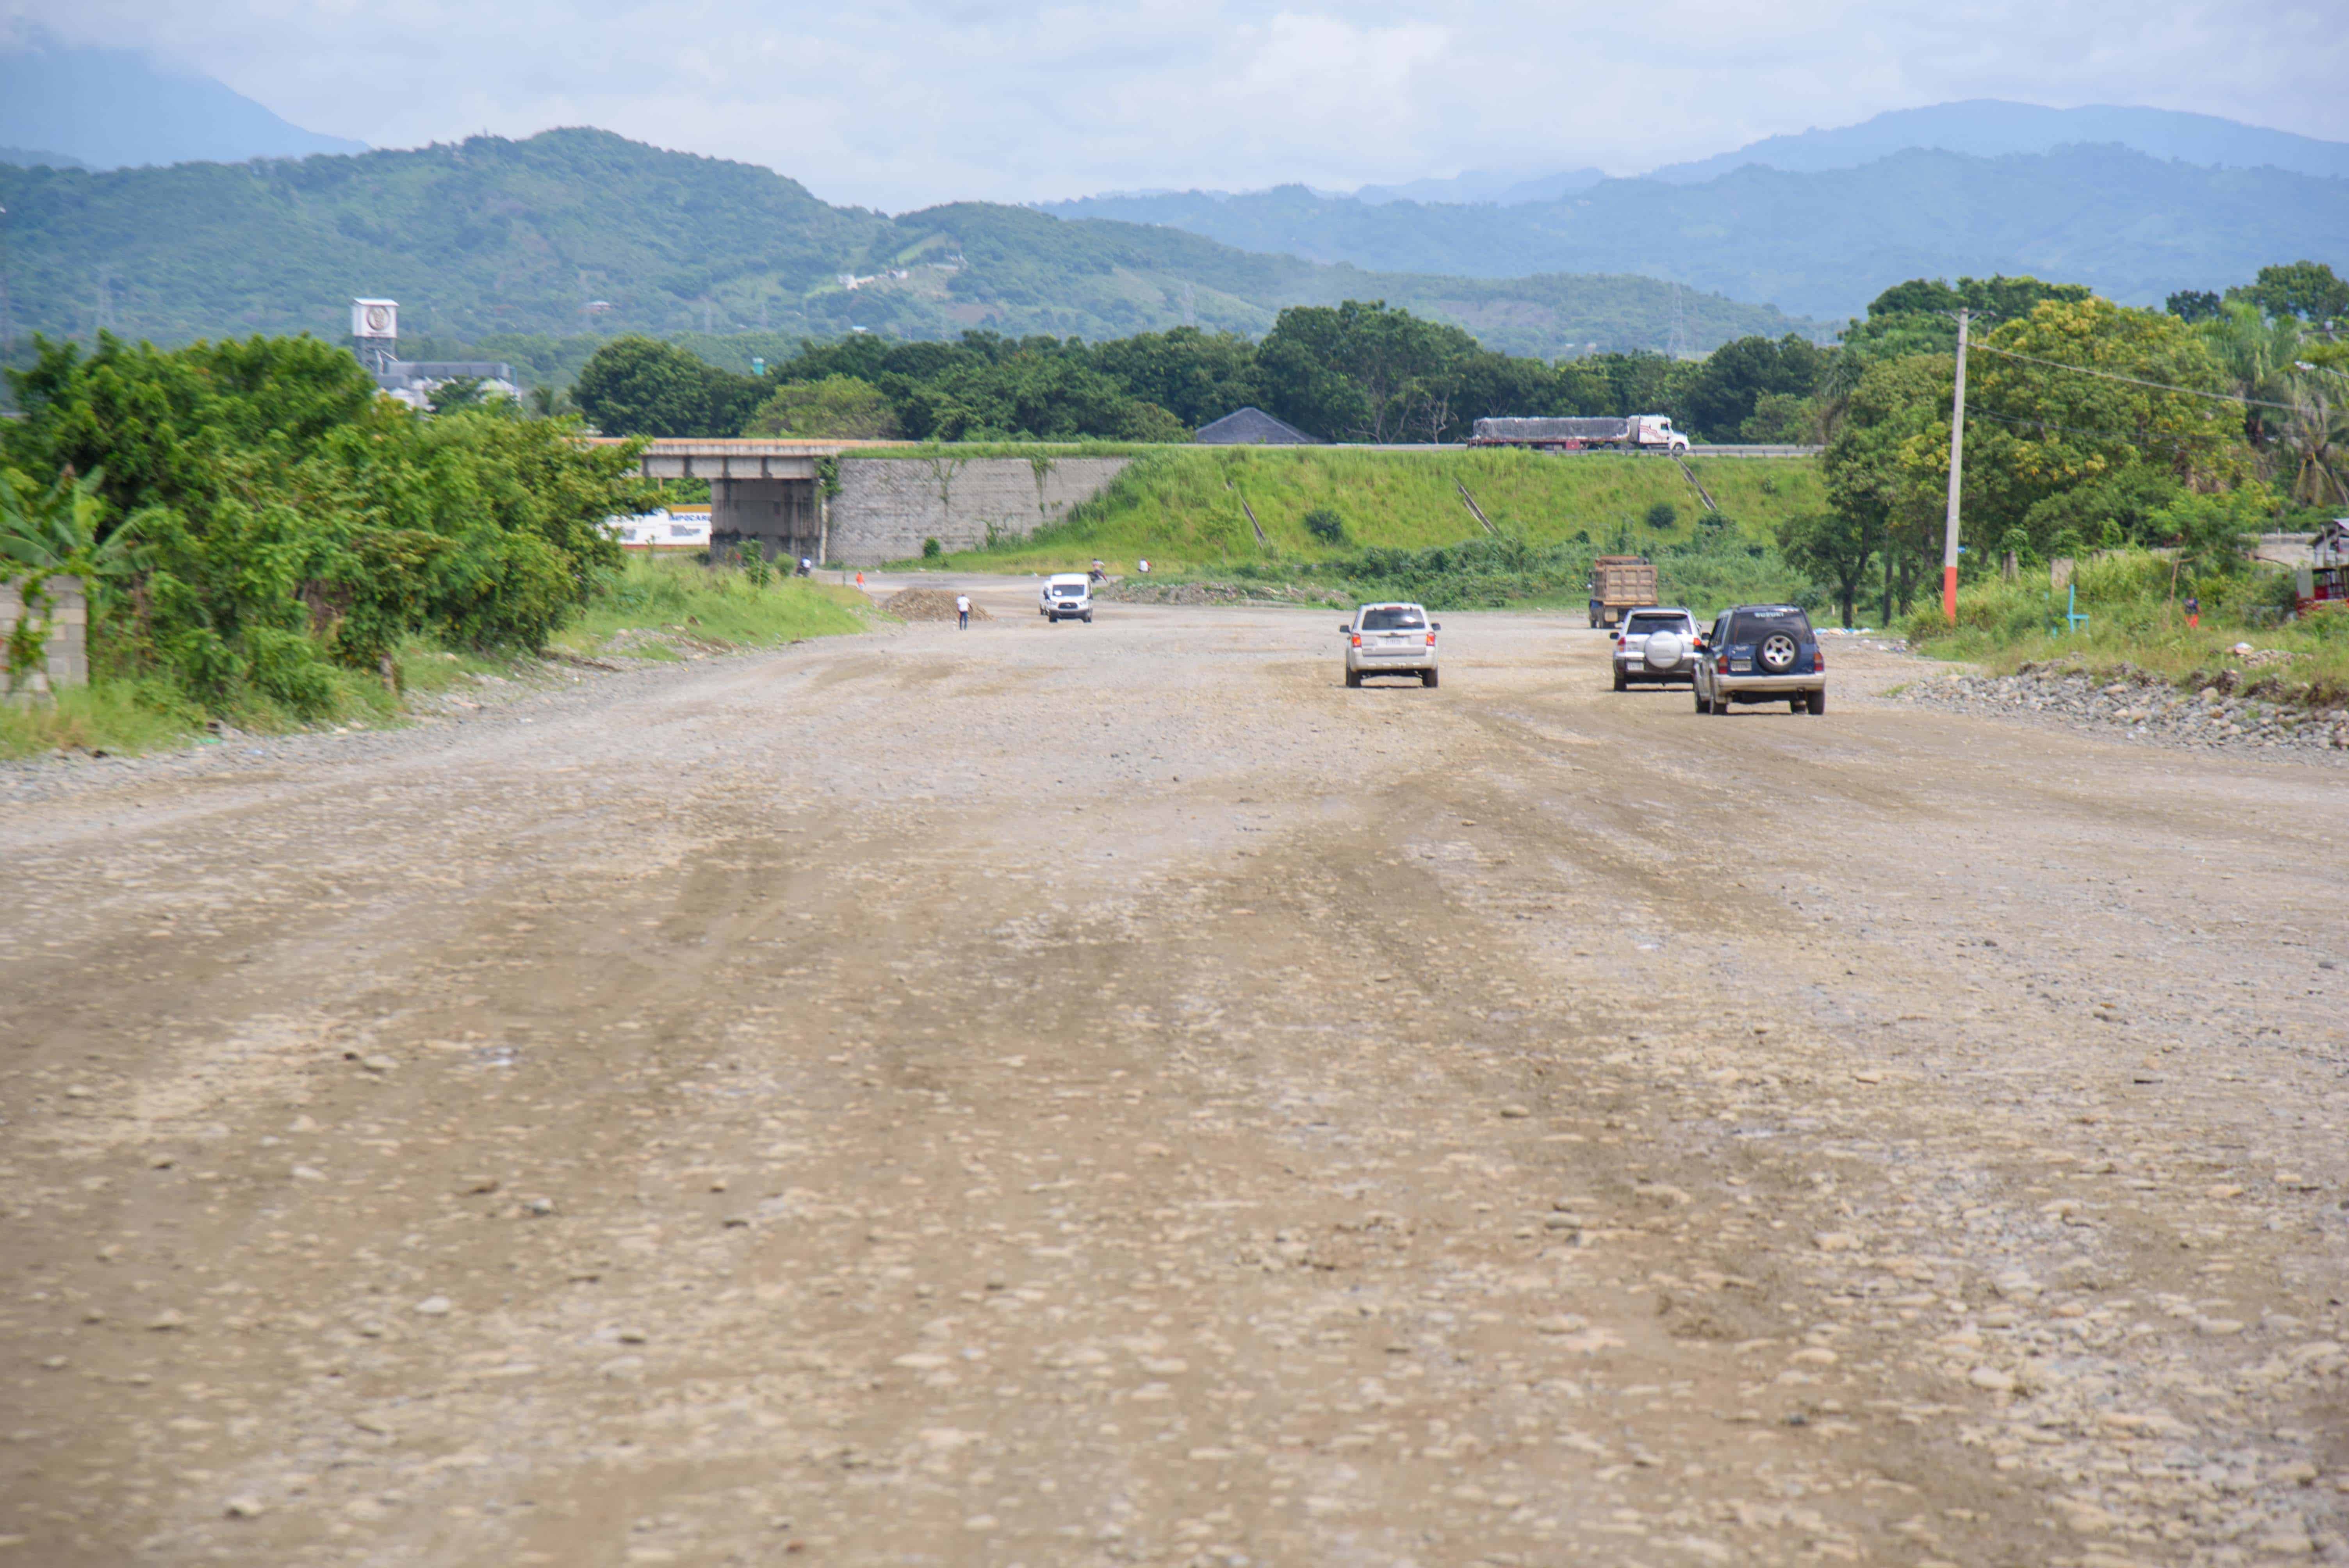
(582,231)
(2131,225)
(1983,128)
(111,108)
(167,205)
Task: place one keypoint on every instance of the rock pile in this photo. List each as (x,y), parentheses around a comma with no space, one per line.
(928,605)
(2141,706)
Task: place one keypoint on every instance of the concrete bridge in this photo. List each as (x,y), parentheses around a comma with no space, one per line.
(760,490)
(886,500)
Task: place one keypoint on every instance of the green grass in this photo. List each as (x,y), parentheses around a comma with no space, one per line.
(2135,625)
(113,715)
(673,597)
(722,607)
(1172,506)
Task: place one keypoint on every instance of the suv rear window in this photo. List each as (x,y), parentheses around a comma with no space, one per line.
(1392,620)
(1656,623)
(1753,626)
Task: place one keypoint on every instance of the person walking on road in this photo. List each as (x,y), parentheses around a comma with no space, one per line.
(962,611)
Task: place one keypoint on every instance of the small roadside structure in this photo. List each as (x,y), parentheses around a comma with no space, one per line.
(1252,427)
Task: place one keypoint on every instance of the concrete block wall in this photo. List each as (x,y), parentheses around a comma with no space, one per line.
(66,660)
(887,506)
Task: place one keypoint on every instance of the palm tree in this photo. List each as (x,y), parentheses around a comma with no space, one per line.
(2257,354)
(2316,436)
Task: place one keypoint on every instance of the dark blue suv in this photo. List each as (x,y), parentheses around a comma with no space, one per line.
(1760,652)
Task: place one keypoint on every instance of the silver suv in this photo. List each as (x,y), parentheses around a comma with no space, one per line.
(1389,640)
(1658,647)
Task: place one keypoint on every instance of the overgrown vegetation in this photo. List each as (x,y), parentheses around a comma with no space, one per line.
(268,543)
(2136,603)
(1357,520)
(260,522)
(655,599)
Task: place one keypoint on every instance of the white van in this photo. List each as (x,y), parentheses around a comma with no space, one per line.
(1066,595)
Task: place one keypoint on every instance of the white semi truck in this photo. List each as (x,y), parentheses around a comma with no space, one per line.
(1638,432)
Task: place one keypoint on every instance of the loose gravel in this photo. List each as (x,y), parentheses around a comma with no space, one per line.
(1036,1099)
(2136,705)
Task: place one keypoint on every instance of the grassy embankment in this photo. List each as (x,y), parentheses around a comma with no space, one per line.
(1406,523)
(649,602)
(2136,626)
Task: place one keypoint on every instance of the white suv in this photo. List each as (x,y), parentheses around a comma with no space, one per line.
(1066,595)
(1657,646)
(1389,640)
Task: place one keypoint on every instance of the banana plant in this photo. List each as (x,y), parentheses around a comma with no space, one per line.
(54,533)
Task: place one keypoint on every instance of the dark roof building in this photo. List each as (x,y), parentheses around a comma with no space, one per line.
(1252,427)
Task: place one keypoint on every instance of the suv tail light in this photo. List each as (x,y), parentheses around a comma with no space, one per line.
(1357,639)
(1818,658)
(1430,639)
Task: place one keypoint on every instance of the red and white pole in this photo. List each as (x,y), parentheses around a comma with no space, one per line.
(1957,482)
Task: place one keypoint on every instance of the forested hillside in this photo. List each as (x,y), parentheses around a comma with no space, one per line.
(1822,243)
(582,231)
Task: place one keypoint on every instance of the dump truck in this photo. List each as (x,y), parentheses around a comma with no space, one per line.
(1638,432)
(1617,583)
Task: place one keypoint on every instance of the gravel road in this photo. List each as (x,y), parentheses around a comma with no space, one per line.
(1104,1094)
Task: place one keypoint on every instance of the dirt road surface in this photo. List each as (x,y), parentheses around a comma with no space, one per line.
(1106,1094)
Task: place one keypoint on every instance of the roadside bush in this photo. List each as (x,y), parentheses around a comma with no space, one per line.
(274,521)
(1325,525)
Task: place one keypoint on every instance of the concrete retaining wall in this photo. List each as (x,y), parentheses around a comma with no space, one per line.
(66,660)
(887,506)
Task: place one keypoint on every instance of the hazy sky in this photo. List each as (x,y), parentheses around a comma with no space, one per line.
(900,103)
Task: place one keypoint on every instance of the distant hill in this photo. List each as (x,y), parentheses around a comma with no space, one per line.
(110,108)
(32,157)
(1475,186)
(575,231)
(1822,243)
(1992,127)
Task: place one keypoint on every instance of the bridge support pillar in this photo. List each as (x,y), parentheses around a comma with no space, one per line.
(784,517)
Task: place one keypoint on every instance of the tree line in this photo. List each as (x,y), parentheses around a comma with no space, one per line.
(1361,371)
(2089,427)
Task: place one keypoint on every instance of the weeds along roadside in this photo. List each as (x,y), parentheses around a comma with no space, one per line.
(655,609)
(2136,626)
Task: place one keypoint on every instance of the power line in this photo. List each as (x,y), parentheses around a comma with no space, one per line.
(2134,381)
(2108,435)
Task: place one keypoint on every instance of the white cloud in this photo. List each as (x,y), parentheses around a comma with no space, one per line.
(900,103)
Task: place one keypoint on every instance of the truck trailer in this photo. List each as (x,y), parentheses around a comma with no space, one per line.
(1619,583)
(1640,433)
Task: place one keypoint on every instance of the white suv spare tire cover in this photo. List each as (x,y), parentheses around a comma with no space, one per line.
(1664,650)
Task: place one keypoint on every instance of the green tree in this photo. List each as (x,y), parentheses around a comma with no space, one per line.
(286,518)
(2118,505)
(1197,377)
(1896,407)
(1360,369)
(2306,290)
(837,406)
(1733,379)
(2035,431)
(637,386)
(2191,305)
(1920,316)
(1833,549)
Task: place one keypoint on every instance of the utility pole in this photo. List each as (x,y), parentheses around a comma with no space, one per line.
(1957,481)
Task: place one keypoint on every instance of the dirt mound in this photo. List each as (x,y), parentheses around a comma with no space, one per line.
(928,605)
(1129,592)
